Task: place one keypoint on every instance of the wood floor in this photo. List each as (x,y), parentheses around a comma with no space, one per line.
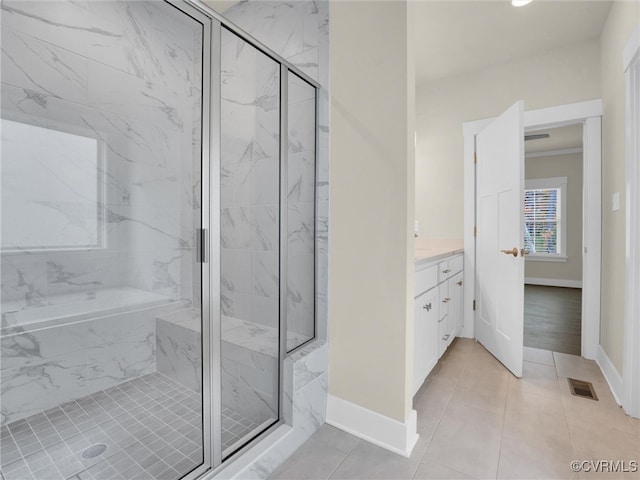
(552,318)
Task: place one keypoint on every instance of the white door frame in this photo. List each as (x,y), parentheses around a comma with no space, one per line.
(631,359)
(589,114)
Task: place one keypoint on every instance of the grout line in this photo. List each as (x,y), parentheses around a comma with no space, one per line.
(566,417)
(346,455)
(439,421)
(504,421)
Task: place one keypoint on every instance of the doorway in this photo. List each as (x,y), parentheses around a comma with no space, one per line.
(553,221)
(588,114)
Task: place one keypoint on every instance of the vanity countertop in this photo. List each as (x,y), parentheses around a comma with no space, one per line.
(431,249)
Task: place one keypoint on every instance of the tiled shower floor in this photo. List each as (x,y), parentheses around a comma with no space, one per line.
(150,426)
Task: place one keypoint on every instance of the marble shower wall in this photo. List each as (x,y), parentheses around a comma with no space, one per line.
(249,184)
(299,32)
(250,222)
(128,75)
(301,176)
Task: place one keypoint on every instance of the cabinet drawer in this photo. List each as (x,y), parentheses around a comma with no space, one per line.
(425,279)
(456,264)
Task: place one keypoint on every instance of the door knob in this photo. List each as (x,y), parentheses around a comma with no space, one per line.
(513,251)
(524,251)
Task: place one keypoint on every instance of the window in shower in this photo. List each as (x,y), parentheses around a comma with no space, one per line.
(52,189)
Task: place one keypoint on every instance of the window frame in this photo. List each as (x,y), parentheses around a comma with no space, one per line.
(549,183)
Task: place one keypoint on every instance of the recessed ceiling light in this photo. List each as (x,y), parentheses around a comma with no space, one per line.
(520,3)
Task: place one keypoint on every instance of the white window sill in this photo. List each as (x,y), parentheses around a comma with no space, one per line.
(546,258)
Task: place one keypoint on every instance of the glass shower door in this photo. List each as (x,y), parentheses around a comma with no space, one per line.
(249,241)
(101,205)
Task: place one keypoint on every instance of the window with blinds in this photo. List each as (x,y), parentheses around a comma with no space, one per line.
(542,229)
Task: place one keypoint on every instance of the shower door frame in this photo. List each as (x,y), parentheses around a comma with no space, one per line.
(210,127)
(209,236)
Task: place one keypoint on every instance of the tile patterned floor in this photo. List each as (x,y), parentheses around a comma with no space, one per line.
(478,421)
(151,427)
(235,428)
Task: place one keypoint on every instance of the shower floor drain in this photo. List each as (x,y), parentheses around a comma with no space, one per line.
(94,450)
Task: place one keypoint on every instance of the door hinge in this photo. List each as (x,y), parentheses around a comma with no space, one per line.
(475,231)
(474,305)
(475,157)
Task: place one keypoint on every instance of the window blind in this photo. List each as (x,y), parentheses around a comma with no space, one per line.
(542,220)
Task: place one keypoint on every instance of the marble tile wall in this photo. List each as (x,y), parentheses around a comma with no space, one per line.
(249,382)
(130,81)
(304,403)
(249,183)
(126,74)
(178,341)
(44,368)
(249,366)
(299,31)
(301,209)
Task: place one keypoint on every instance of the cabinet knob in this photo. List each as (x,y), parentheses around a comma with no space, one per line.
(446,271)
(427,307)
(446,337)
(459,283)
(446,300)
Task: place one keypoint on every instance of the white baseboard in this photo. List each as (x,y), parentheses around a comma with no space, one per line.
(611,375)
(373,427)
(553,282)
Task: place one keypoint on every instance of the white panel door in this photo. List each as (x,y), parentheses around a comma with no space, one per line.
(500,275)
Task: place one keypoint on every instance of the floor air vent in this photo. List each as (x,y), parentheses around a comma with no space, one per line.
(583,389)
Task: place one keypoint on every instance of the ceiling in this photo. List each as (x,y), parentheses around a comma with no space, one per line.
(559,138)
(455,37)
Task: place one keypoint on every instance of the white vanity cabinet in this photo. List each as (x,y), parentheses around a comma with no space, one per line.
(438,298)
(425,345)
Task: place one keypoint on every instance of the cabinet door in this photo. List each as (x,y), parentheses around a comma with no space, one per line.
(456,291)
(424,349)
(444,304)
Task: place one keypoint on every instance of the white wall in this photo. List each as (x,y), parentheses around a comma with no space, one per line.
(371,207)
(623,18)
(569,166)
(565,75)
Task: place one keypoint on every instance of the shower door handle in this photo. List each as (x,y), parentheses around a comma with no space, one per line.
(202,239)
